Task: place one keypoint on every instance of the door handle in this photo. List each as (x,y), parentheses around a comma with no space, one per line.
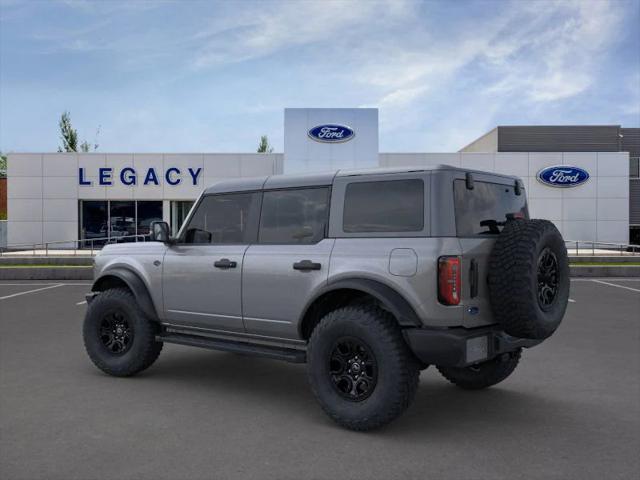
(306,265)
(224,263)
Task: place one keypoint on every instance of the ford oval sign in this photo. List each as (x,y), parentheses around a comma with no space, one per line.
(563,176)
(331,133)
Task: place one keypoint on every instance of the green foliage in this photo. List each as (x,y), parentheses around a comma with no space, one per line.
(68,134)
(69,137)
(3,164)
(263,146)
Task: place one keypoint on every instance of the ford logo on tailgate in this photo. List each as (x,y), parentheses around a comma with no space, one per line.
(331,133)
(563,176)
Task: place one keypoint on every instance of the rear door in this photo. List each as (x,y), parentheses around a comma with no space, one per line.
(480,213)
(289,261)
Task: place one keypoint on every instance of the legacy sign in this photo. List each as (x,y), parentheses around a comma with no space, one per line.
(129,176)
(563,176)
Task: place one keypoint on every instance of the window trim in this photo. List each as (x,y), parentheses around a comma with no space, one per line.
(325,233)
(179,239)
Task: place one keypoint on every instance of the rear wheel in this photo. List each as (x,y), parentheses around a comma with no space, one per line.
(118,337)
(484,374)
(359,367)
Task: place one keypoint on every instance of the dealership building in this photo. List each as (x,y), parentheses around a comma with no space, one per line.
(583,178)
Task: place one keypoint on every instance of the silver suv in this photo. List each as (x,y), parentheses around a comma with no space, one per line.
(367,276)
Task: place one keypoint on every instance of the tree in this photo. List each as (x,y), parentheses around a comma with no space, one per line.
(3,164)
(263,146)
(69,136)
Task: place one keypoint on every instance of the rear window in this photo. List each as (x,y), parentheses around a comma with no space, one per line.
(483,210)
(384,206)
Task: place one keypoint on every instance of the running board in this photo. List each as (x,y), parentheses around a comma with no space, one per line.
(286,354)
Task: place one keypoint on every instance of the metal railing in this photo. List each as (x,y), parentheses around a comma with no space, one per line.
(584,246)
(79,246)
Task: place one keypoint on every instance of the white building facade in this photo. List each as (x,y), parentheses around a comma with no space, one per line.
(61,197)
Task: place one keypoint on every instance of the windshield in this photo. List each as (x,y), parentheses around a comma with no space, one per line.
(483,210)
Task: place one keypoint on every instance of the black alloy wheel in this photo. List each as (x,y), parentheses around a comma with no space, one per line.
(547,278)
(116,332)
(353,369)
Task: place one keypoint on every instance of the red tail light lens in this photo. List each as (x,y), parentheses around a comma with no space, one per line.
(449,280)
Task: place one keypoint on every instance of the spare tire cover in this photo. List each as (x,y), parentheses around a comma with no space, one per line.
(529,278)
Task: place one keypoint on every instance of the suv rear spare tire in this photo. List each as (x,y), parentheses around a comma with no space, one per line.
(529,278)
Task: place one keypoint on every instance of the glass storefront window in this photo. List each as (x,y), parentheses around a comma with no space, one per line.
(148,212)
(116,219)
(179,211)
(94,218)
(122,217)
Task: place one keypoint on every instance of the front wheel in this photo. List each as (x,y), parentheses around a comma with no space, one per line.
(360,369)
(484,374)
(119,338)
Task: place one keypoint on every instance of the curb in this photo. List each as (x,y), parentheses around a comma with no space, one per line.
(47,273)
(604,271)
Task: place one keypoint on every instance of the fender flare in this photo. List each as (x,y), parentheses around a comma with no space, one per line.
(135,284)
(390,298)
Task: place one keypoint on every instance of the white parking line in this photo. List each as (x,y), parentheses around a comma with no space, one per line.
(571,300)
(31,291)
(81,303)
(614,285)
(29,284)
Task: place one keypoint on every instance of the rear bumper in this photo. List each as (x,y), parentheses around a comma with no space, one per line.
(461,347)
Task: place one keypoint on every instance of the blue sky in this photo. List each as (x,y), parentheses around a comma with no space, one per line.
(193,76)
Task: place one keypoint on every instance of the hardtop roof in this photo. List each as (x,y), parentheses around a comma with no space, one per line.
(325,178)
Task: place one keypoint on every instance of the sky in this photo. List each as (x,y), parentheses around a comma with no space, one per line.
(207,76)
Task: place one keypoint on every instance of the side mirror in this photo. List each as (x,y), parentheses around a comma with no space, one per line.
(160,232)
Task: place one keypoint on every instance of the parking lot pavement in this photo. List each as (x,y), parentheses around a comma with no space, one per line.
(570,411)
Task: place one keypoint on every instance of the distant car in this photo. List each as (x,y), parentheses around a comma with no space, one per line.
(367,276)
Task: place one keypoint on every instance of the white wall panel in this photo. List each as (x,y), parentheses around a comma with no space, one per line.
(512,164)
(60,210)
(478,161)
(613,164)
(572,230)
(24,165)
(60,231)
(613,187)
(60,165)
(613,209)
(24,187)
(548,208)
(579,209)
(25,210)
(60,187)
(23,232)
(540,160)
(613,231)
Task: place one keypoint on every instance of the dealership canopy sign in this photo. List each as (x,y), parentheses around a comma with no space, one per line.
(107,176)
(563,176)
(331,133)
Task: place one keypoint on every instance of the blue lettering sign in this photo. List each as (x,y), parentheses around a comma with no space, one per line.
(167,176)
(104,176)
(128,179)
(151,177)
(195,174)
(81,179)
(331,133)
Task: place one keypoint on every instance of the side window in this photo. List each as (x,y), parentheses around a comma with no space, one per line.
(226,218)
(294,216)
(384,206)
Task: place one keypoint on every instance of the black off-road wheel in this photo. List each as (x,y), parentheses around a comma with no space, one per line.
(360,368)
(118,337)
(484,374)
(529,278)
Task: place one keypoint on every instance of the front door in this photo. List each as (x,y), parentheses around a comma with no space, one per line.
(290,260)
(202,272)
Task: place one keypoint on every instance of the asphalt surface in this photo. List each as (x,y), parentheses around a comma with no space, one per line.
(570,411)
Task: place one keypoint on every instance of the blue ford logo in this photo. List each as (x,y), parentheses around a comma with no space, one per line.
(563,176)
(331,133)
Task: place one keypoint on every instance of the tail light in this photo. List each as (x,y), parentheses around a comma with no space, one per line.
(449,280)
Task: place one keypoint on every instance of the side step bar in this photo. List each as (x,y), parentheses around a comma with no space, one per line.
(286,354)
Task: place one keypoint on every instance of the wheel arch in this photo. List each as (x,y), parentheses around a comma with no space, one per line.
(348,291)
(124,277)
